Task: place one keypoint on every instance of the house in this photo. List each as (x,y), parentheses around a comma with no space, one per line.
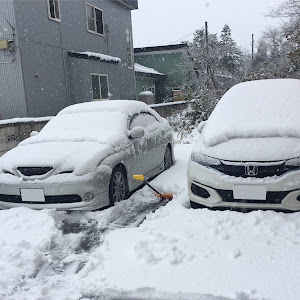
(166,71)
(147,79)
(54,53)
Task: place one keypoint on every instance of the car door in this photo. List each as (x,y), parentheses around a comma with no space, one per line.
(148,149)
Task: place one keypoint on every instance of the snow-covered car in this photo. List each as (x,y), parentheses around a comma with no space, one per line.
(86,156)
(248,153)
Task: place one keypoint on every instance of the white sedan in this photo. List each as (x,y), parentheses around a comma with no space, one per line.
(248,153)
(85,157)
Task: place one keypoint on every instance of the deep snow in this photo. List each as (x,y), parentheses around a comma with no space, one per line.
(176,253)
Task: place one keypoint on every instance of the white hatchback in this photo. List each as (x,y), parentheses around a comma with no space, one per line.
(248,153)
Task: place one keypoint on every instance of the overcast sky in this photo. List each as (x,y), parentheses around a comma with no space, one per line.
(162,22)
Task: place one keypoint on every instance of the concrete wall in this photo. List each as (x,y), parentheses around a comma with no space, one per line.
(11,134)
(169,109)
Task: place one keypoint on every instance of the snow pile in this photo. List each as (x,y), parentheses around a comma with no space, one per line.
(255,109)
(143,69)
(146,93)
(26,238)
(176,253)
(101,56)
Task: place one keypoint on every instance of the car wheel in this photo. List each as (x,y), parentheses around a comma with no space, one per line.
(118,186)
(168,159)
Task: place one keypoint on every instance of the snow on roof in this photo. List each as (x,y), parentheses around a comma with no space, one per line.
(103,57)
(256,109)
(143,69)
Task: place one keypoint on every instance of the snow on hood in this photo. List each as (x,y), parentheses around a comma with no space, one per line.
(252,149)
(101,127)
(256,109)
(82,157)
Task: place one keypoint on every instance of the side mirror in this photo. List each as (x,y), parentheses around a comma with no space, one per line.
(33,133)
(201,126)
(137,132)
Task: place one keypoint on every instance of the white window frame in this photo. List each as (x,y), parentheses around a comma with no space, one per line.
(49,13)
(129,63)
(95,21)
(149,89)
(100,75)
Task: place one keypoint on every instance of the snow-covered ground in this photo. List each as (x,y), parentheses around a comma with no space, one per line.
(176,253)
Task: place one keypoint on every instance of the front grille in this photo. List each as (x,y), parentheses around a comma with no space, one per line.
(34,171)
(260,171)
(48,199)
(272,197)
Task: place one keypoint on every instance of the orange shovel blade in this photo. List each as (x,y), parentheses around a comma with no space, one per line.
(164,196)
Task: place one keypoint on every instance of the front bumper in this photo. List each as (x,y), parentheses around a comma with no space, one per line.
(61,196)
(281,191)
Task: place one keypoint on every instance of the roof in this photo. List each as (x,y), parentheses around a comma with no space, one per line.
(132,4)
(95,56)
(145,71)
(161,48)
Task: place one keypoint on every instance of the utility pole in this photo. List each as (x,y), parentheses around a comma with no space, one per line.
(252,49)
(206,49)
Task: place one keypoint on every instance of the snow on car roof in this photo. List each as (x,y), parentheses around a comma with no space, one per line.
(104,122)
(128,107)
(256,109)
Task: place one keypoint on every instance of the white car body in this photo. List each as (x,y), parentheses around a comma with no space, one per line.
(72,162)
(248,153)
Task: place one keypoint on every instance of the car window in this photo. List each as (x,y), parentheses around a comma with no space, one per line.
(144,120)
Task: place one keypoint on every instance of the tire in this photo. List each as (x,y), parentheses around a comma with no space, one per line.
(118,186)
(168,158)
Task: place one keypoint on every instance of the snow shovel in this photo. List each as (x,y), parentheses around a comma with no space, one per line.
(157,193)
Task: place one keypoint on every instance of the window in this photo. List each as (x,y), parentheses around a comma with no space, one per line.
(53,10)
(144,120)
(94,18)
(129,48)
(99,86)
(150,89)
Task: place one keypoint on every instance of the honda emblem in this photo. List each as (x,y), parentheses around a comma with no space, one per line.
(251,170)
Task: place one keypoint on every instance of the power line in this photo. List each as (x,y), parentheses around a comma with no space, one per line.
(182,38)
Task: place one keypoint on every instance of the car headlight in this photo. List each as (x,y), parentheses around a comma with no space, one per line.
(294,162)
(204,160)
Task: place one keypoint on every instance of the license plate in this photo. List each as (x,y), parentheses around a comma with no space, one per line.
(32,195)
(250,192)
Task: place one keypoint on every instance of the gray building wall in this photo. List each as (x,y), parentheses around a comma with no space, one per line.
(12,95)
(50,78)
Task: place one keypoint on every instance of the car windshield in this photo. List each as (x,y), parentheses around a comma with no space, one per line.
(263,108)
(101,127)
